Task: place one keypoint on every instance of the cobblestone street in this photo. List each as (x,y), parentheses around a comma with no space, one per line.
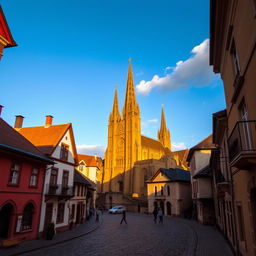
(142,237)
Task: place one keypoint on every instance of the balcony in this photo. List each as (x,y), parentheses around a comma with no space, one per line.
(59,191)
(242,144)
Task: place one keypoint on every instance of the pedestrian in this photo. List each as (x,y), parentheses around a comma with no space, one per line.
(160,215)
(124,217)
(155,214)
(97,215)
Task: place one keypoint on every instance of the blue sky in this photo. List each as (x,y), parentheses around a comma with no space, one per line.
(70,54)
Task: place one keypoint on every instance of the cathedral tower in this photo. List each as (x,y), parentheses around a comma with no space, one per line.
(113,123)
(131,118)
(164,133)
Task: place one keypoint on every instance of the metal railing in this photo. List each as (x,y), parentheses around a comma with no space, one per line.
(242,139)
(59,190)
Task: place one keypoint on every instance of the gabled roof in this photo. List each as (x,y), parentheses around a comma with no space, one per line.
(5,31)
(151,143)
(205,144)
(90,161)
(11,140)
(47,138)
(80,178)
(173,174)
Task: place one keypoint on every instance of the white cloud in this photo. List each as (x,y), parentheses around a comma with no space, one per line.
(152,121)
(178,145)
(91,150)
(195,71)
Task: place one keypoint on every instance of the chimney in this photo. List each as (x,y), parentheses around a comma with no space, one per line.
(48,121)
(18,121)
(1,107)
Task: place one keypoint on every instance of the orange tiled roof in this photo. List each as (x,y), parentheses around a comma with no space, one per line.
(89,160)
(45,138)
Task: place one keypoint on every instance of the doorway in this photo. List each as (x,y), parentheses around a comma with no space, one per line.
(5,217)
(48,214)
(169,208)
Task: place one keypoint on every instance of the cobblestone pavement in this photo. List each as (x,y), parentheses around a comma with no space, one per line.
(142,237)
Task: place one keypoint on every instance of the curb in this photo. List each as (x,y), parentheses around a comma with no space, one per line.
(56,243)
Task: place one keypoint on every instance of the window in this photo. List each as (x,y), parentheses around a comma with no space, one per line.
(235,59)
(81,167)
(14,174)
(65,178)
(64,152)
(162,190)
(155,191)
(34,177)
(121,187)
(168,190)
(53,178)
(27,217)
(60,213)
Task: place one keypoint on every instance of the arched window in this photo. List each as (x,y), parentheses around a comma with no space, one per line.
(168,190)
(27,217)
(162,190)
(155,190)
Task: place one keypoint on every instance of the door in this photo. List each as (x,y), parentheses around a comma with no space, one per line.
(5,217)
(169,208)
(78,213)
(48,214)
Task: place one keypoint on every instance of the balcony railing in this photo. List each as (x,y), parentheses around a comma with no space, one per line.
(59,190)
(242,143)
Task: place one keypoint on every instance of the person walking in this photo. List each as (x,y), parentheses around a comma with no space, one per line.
(97,215)
(155,214)
(124,217)
(160,215)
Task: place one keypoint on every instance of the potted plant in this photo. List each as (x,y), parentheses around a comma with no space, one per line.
(50,231)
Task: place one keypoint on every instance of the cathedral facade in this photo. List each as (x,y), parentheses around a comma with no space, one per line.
(131,158)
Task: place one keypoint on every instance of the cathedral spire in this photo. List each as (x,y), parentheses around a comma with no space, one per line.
(164,133)
(130,103)
(115,115)
(163,122)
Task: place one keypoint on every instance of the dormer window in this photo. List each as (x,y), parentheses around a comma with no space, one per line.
(64,152)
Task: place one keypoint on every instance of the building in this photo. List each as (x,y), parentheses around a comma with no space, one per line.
(233,55)
(58,143)
(6,39)
(81,201)
(170,189)
(201,180)
(92,168)
(222,180)
(23,168)
(124,184)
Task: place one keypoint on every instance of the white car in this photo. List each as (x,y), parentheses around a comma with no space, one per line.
(117,209)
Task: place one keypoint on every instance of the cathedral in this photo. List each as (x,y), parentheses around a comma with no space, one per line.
(131,158)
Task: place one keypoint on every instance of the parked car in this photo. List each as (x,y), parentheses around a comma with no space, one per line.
(117,209)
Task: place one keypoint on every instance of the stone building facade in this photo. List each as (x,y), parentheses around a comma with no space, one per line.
(233,55)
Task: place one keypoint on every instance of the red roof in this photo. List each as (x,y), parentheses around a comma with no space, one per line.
(5,31)
(47,138)
(89,160)
(11,138)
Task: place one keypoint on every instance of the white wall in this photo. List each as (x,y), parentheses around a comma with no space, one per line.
(61,166)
